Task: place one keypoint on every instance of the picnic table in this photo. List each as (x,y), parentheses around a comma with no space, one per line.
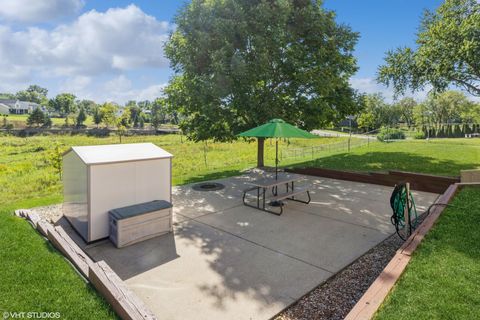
(261,185)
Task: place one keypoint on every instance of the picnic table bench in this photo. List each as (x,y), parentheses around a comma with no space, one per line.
(263,184)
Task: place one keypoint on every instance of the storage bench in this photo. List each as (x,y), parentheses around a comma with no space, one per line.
(132,224)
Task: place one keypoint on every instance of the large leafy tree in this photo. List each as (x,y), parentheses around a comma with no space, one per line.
(63,103)
(108,114)
(33,93)
(240,63)
(448,52)
(405,108)
(444,108)
(87,105)
(377,113)
(158,112)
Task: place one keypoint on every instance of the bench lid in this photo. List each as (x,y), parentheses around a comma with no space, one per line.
(138,209)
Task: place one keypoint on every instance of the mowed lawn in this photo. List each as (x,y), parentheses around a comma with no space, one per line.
(34,277)
(442,280)
(444,157)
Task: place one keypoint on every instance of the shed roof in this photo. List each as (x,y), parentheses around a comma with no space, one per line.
(111,153)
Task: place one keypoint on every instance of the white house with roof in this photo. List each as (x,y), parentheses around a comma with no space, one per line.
(15,106)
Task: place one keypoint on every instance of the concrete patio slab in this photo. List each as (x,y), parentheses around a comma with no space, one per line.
(228,261)
(326,243)
(209,274)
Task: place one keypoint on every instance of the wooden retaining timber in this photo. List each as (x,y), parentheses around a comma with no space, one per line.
(62,241)
(369,303)
(123,301)
(419,182)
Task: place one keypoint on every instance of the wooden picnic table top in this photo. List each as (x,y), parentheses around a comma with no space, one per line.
(268,182)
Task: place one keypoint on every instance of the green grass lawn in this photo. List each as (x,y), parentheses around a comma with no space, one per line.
(442,280)
(34,277)
(438,156)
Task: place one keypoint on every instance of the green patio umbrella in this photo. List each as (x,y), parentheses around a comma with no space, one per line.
(277,128)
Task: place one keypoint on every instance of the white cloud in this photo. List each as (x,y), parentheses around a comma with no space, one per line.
(95,44)
(76,84)
(120,89)
(38,10)
(369,85)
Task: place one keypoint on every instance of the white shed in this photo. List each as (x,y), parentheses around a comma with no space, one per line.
(97,179)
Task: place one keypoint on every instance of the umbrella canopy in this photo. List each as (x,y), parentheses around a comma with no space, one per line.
(277,128)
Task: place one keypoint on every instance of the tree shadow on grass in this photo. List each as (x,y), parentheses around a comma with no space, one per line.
(221,173)
(384,161)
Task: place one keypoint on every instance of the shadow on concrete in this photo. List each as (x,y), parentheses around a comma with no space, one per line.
(129,261)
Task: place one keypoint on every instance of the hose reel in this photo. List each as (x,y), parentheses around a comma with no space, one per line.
(404,216)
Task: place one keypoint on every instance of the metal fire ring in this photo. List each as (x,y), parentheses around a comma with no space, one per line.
(208,186)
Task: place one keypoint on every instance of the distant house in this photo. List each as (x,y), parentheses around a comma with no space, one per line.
(18,107)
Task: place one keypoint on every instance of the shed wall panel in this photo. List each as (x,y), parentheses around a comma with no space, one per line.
(118,185)
(75,192)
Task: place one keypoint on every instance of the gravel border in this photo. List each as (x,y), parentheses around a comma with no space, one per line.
(51,213)
(334,298)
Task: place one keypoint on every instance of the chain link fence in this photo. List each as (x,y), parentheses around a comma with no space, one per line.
(314,152)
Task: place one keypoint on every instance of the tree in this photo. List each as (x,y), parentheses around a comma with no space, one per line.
(108,113)
(87,105)
(447,53)
(135,115)
(47,122)
(471,113)
(405,109)
(158,112)
(125,119)
(442,109)
(37,117)
(240,63)
(34,94)
(6,95)
(81,117)
(377,113)
(123,123)
(63,103)
(97,115)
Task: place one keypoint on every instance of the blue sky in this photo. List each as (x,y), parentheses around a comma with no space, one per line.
(111,49)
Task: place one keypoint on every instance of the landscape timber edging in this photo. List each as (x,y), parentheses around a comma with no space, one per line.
(372,299)
(418,181)
(114,290)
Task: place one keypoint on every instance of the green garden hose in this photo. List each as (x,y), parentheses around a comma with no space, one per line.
(398,202)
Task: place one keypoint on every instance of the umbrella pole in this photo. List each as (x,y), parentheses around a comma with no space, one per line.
(276,159)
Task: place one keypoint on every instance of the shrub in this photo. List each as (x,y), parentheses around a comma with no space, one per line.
(419,135)
(37,117)
(47,122)
(390,134)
